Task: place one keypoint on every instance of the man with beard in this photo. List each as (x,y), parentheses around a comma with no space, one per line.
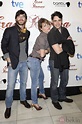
(14,46)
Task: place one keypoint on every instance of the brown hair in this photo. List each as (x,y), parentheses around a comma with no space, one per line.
(42,20)
(19,12)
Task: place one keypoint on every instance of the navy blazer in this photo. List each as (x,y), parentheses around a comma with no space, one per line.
(10,44)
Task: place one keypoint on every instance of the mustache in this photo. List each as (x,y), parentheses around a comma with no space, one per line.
(18,22)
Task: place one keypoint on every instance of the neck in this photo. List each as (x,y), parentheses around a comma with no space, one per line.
(59,30)
(21,26)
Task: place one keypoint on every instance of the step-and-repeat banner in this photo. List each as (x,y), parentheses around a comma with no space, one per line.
(35,9)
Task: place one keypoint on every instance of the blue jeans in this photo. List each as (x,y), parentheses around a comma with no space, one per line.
(41,82)
(37,77)
(55,77)
(22,69)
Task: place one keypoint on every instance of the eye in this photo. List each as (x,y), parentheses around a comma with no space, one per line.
(54,20)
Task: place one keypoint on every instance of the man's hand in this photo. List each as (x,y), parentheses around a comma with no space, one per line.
(47,51)
(69,38)
(8,60)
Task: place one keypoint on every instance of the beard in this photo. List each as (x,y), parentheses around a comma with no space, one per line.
(21,23)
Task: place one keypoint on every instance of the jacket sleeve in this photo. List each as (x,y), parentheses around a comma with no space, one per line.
(28,35)
(5,42)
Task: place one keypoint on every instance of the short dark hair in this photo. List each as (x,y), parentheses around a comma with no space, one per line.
(56,13)
(42,20)
(19,12)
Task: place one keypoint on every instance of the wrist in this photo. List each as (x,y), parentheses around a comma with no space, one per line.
(8,63)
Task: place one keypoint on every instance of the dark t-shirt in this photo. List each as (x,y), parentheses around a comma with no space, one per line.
(55,37)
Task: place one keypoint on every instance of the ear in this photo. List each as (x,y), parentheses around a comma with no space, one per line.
(41,29)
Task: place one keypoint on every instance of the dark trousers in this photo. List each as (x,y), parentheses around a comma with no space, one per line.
(58,79)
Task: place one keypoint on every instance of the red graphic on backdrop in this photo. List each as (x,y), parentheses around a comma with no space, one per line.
(32,20)
(4,24)
(66,24)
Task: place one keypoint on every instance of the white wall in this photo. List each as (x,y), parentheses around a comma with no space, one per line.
(36,9)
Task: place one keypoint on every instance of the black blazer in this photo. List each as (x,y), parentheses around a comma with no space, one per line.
(10,44)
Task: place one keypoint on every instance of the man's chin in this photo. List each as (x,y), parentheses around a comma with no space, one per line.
(21,23)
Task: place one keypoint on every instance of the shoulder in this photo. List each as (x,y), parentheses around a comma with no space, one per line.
(10,28)
(28,33)
(52,31)
(64,29)
(42,36)
(39,39)
(52,34)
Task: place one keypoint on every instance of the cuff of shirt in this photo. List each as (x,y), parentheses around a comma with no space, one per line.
(6,55)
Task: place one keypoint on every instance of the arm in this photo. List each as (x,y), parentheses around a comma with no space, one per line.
(43,46)
(4,45)
(43,52)
(57,48)
(47,51)
(69,38)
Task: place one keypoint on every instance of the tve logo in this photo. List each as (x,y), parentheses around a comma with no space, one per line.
(78,78)
(79,56)
(79,4)
(79,29)
(17,4)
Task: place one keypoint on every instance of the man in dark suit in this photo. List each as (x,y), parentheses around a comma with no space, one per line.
(14,46)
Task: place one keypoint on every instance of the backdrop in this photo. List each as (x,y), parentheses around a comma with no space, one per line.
(35,9)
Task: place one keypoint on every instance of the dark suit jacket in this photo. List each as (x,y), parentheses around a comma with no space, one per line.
(10,44)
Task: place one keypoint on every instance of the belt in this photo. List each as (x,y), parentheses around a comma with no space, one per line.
(34,57)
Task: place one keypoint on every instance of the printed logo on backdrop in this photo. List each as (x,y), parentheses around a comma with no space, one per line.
(70,120)
(80,4)
(78,77)
(32,21)
(1,3)
(79,56)
(79,29)
(72,67)
(4,24)
(38,4)
(3,71)
(61,4)
(16,3)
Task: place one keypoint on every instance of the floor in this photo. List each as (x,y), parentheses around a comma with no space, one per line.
(70,114)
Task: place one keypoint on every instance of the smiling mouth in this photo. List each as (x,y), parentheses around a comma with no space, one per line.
(20,20)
